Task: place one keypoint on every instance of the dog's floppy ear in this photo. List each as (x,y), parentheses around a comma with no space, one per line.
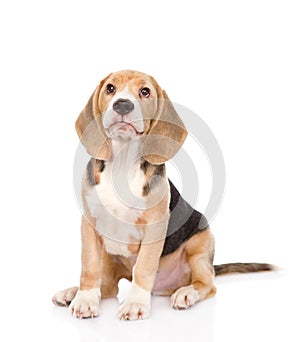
(166,133)
(90,129)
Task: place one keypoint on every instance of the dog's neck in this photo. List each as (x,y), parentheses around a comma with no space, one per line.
(125,152)
(134,178)
(124,169)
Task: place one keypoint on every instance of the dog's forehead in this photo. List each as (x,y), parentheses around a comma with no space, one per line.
(131,79)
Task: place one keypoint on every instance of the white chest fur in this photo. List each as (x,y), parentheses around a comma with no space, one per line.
(117,202)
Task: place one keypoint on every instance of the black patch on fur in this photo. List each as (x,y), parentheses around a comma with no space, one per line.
(101,165)
(144,165)
(155,170)
(183,224)
(160,170)
(93,166)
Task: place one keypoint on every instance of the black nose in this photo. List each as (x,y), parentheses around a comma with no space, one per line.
(123,106)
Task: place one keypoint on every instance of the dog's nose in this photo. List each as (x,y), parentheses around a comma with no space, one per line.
(123,106)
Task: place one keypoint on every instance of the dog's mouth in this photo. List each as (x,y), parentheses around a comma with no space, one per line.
(123,126)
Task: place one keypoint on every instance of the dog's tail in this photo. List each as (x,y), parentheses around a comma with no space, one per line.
(240,267)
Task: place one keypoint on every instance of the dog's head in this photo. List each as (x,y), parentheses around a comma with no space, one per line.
(129,105)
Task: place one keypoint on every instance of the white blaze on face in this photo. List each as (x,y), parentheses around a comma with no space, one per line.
(134,118)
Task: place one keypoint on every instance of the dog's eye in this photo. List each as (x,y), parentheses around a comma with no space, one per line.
(110,89)
(145,92)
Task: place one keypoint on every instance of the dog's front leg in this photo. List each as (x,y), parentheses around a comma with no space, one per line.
(138,303)
(86,302)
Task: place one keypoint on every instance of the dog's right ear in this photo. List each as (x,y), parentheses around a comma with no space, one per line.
(90,129)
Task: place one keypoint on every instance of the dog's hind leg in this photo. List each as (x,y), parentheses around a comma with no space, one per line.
(199,254)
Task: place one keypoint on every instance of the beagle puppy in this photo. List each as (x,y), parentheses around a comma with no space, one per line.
(135,223)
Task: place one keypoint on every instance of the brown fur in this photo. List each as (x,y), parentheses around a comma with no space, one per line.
(198,251)
(90,129)
(90,256)
(112,271)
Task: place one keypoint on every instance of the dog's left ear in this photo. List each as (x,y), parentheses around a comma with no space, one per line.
(90,129)
(166,134)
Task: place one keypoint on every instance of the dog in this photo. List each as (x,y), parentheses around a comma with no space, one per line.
(135,223)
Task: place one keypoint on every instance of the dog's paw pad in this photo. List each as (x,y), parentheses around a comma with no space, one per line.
(86,304)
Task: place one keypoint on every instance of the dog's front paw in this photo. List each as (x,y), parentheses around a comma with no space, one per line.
(86,303)
(132,311)
(137,305)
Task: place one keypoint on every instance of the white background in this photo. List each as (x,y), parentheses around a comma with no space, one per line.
(234,63)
